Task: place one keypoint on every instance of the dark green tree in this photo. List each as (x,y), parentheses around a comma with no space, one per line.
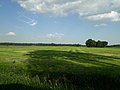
(105,43)
(93,43)
(90,43)
(99,44)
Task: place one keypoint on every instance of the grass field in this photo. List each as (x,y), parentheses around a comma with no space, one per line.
(59,68)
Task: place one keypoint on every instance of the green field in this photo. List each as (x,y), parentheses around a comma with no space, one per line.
(59,68)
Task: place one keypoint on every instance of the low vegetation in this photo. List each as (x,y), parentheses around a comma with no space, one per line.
(59,68)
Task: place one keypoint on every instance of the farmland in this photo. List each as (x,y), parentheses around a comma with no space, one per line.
(59,68)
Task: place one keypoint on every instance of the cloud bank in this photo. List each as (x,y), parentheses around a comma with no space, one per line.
(112,16)
(95,10)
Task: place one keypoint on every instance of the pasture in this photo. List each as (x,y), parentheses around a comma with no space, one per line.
(59,68)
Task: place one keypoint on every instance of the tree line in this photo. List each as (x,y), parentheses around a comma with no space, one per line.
(93,43)
(37,44)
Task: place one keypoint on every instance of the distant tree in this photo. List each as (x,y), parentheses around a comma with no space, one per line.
(105,43)
(90,43)
(99,44)
(93,43)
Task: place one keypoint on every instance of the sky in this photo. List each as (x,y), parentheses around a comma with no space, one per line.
(59,21)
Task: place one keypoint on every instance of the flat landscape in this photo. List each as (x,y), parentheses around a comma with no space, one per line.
(59,68)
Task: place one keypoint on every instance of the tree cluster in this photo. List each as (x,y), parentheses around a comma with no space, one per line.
(93,43)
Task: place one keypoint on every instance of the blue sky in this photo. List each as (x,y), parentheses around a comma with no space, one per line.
(59,21)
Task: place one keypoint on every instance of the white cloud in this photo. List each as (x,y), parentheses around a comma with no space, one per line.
(112,16)
(99,25)
(85,8)
(32,22)
(27,20)
(55,36)
(11,34)
(55,7)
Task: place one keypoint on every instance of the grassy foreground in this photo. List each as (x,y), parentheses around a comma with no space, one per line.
(59,68)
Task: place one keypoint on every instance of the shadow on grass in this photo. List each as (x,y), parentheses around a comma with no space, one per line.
(82,70)
(16,87)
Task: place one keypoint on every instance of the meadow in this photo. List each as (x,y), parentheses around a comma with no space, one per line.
(59,68)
